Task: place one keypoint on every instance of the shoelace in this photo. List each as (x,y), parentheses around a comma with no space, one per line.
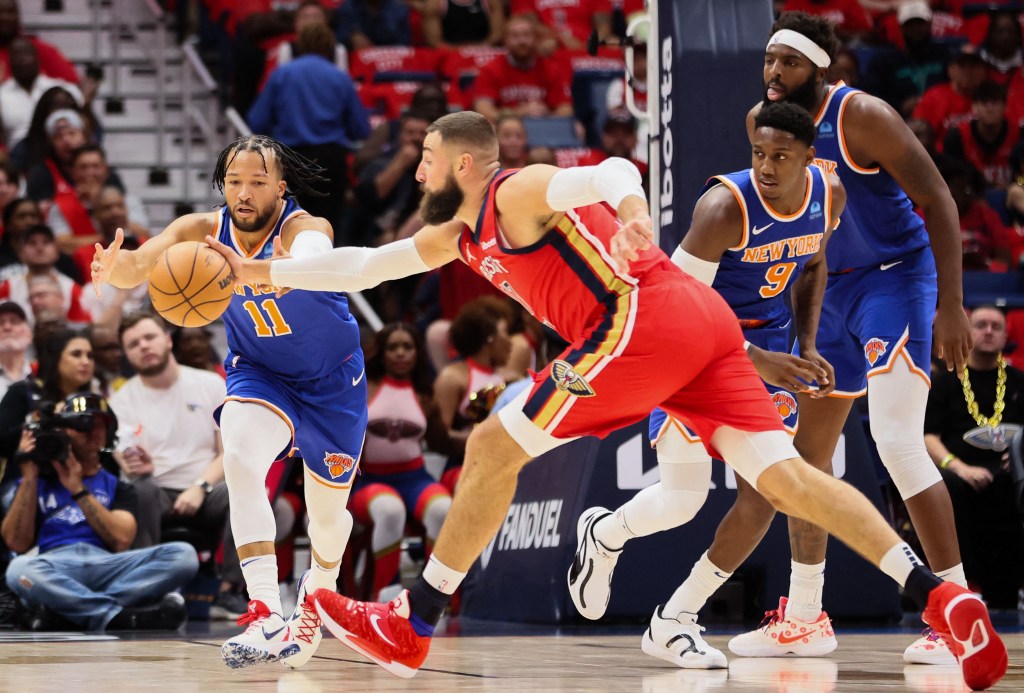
(931,634)
(309,624)
(251,618)
(770,618)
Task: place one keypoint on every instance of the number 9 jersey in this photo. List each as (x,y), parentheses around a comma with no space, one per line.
(754,275)
(299,336)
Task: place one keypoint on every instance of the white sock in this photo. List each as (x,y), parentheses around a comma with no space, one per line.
(955,575)
(612,532)
(690,597)
(805,585)
(321,577)
(441,577)
(898,562)
(260,574)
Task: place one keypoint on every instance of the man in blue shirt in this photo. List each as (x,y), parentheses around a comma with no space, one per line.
(82,519)
(312,106)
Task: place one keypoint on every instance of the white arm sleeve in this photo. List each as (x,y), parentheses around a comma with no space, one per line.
(702,270)
(610,181)
(349,269)
(309,243)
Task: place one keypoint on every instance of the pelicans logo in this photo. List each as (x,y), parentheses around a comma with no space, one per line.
(785,403)
(874,349)
(339,464)
(567,379)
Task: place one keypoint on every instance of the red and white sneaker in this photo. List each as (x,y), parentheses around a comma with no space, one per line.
(961,618)
(778,636)
(381,632)
(305,627)
(265,639)
(928,649)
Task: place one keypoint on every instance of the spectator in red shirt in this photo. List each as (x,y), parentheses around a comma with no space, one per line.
(1002,47)
(985,141)
(523,83)
(41,290)
(618,138)
(987,242)
(566,23)
(52,62)
(283,49)
(945,106)
(850,18)
(513,147)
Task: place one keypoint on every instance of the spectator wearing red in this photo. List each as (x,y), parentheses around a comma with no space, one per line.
(448,23)
(987,242)
(985,141)
(618,138)
(850,18)
(282,48)
(513,147)
(52,62)
(1002,50)
(523,83)
(566,24)
(945,106)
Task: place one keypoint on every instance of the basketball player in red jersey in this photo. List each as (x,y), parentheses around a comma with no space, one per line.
(549,238)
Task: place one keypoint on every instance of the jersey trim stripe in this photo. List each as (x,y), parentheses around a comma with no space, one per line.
(901,350)
(828,203)
(549,405)
(779,216)
(273,408)
(842,138)
(593,252)
(832,89)
(738,194)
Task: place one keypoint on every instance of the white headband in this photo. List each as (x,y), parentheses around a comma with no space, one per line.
(793,39)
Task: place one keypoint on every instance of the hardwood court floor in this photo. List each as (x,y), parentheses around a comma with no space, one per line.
(863,662)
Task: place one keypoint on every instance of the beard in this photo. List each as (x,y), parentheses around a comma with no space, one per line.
(157,368)
(805,95)
(441,206)
(257,223)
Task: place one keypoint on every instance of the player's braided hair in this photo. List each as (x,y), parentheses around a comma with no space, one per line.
(302,175)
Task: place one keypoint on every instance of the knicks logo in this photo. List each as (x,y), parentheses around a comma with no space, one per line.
(339,464)
(874,349)
(785,403)
(568,380)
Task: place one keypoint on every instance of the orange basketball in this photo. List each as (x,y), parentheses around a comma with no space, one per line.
(190,284)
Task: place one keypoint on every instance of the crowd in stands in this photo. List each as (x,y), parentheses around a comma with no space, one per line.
(353,85)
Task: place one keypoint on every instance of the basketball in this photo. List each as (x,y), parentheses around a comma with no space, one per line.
(190,284)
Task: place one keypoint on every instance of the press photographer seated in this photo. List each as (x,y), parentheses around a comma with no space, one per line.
(82,518)
(969,426)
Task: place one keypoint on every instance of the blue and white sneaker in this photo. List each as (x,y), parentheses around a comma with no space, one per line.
(305,627)
(266,639)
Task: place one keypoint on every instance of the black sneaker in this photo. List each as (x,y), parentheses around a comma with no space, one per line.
(168,614)
(229,606)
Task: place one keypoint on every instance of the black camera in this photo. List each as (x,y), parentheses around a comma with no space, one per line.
(79,413)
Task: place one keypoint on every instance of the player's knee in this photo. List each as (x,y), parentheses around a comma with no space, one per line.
(682,506)
(910,467)
(753,506)
(784,485)
(388,514)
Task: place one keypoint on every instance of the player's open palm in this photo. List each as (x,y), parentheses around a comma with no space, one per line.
(786,370)
(630,240)
(103,261)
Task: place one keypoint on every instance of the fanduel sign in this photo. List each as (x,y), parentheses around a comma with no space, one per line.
(531,525)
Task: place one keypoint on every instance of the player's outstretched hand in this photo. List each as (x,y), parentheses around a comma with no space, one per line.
(952,335)
(788,371)
(103,261)
(242,271)
(634,237)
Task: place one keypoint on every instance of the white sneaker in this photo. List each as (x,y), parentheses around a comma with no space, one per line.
(590,575)
(680,644)
(928,649)
(265,640)
(305,628)
(778,635)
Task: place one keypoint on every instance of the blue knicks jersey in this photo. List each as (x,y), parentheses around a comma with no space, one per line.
(878,223)
(299,336)
(752,277)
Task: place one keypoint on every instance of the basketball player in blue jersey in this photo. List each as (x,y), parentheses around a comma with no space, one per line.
(754,234)
(889,278)
(294,379)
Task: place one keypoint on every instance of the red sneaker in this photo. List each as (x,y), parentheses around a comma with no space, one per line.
(961,618)
(381,632)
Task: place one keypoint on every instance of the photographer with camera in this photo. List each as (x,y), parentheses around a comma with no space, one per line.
(82,518)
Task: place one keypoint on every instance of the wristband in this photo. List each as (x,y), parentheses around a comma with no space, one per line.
(746,346)
(946,460)
(204,484)
(80,495)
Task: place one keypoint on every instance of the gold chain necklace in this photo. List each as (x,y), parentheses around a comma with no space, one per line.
(972,406)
